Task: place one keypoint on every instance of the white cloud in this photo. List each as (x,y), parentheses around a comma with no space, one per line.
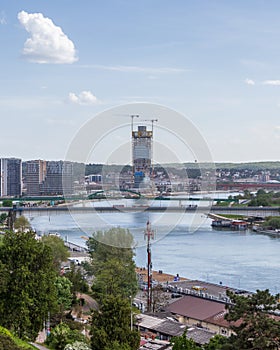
(3,18)
(84,98)
(139,69)
(47,42)
(250,82)
(271,82)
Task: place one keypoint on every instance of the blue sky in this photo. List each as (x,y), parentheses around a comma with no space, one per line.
(216,62)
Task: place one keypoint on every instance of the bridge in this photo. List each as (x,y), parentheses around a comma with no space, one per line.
(261,212)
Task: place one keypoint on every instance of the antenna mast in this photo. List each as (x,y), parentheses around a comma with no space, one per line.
(149,234)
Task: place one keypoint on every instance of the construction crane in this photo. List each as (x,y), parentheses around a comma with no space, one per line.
(132,117)
(152,121)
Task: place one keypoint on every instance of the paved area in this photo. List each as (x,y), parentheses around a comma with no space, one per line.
(41,347)
(158,276)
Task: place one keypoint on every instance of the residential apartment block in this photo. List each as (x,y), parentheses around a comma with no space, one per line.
(10,177)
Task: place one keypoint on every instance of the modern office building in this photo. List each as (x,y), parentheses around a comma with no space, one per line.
(10,177)
(59,178)
(35,172)
(141,154)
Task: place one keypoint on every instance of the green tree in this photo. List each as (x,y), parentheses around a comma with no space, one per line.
(62,335)
(8,203)
(29,292)
(21,224)
(3,218)
(113,265)
(256,328)
(78,282)
(219,342)
(184,343)
(59,250)
(117,346)
(111,324)
(273,223)
(7,343)
(64,295)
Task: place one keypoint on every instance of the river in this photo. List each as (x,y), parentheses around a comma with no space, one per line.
(244,260)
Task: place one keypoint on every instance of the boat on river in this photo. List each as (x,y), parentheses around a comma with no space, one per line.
(238,225)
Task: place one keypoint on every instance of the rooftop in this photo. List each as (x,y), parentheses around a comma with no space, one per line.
(195,307)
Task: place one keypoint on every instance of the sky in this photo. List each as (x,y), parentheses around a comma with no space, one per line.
(215,62)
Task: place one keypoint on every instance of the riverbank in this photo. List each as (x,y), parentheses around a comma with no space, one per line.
(158,276)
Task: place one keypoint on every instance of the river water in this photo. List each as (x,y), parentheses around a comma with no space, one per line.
(245,260)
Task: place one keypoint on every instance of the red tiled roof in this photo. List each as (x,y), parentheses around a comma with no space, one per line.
(196,308)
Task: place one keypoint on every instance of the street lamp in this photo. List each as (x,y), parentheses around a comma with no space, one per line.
(131,319)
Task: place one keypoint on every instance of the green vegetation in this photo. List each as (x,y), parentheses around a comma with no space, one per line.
(64,296)
(60,253)
(252,323)
(113,265)
(272,223)
(114,285)
(78,283)
(264,199)
(3,218)
(183,343)
(111,325)
(21,224)
(9,342)
(27,284)
(257,329)
(77,345)
(235,217)
(62,335)
(7,203)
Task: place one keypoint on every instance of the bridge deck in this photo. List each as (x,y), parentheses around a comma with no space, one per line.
(246,211)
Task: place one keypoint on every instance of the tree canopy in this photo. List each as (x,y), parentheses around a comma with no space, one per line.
(59,250)
(111,325)
(184,343)
(28,276)
(113,265)
(21,224)
(258,329)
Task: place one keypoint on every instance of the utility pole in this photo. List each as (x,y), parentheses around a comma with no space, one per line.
(149,234)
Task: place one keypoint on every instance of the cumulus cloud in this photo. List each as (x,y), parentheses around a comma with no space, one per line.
(250,82)
(272,82)
(3,18)
(47,42)
(83,98)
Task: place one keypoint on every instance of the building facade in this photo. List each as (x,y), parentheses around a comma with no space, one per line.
(11,177)
(141,154)
(59,178)
(35,172)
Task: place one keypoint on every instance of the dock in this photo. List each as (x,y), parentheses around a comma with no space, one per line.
(73,247)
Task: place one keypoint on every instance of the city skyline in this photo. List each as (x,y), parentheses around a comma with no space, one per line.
(215,62)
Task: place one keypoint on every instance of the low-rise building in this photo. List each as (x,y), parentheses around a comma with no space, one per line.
(164,329)
(201,312)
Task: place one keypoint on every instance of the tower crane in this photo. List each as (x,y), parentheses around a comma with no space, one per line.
(132,117)
(152,121)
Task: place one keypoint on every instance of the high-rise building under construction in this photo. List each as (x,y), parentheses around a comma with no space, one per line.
(141,154)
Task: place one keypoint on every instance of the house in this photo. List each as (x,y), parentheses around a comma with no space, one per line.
(166,328)
(201,312)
